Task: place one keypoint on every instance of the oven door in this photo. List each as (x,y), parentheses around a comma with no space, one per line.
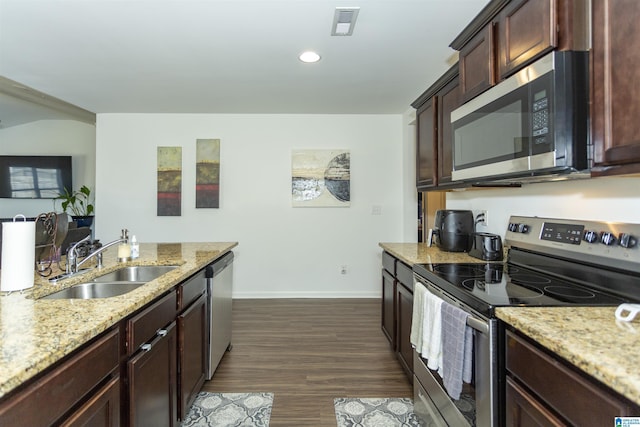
(478,403)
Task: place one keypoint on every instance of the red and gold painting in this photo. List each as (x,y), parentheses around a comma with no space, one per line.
(169,181)
(207,173)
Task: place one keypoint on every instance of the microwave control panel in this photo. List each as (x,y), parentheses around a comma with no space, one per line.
(540,117)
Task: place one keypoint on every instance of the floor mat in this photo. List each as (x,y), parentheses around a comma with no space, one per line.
(374,412)
(230,410)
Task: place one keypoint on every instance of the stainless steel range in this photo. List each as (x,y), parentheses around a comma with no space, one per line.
(550,262)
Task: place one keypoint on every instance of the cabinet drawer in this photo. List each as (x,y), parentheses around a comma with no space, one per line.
(144,325)
(46,400)
(577,399)
(191,290)
(389,263)
(404,274)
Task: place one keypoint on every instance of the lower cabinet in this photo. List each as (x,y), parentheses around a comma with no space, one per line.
(397,309)
(81,390)
(192,366)
(153,391)
(544,390)
(101,410)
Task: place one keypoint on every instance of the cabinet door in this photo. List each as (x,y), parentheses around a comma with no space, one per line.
(527,29)
(404,307)
(192,367)
(523,410)
(426,145)
(102,410)
(616,72)
(477,64)
(152,383)
(448,100)
(388,307)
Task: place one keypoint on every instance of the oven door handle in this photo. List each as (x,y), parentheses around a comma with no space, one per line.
(478,325)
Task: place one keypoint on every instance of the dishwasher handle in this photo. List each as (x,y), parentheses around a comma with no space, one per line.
(218,265)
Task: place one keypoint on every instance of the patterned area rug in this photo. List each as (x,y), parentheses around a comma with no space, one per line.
(374,412)
(230,409)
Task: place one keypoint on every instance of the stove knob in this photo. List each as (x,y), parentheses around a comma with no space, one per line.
(523,228)
(590,236)
(627,240)
(607,238)
(513,227)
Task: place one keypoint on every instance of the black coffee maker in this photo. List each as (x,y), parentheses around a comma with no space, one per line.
(453,229)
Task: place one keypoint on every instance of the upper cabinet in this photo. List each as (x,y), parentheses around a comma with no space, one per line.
(434,134)
(615,105)
(508,35)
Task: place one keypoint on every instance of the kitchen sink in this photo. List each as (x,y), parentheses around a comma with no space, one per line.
(117,282)
(95,290)
(138,273)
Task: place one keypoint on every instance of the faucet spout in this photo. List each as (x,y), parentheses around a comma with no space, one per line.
(98,253)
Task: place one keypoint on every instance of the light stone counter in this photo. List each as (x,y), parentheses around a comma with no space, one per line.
(587,337)
(36,333)
(420,253)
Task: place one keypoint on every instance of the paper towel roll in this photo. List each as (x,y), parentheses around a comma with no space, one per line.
(18,254)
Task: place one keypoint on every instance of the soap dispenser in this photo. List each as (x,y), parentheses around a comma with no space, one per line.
(135,247)
(124,250)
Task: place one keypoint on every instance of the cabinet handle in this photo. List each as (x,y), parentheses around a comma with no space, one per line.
(162,332)
(145,347)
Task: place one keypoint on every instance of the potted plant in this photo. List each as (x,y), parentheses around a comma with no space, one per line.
(79,204)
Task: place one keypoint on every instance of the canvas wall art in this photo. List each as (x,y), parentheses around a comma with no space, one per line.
(169,181)
(321,178)
(207,173)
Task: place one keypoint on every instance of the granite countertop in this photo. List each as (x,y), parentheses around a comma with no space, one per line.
(36,333)
(588,337)
(420,253)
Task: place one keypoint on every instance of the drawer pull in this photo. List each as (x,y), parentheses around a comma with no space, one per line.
(145,347)
(162,332)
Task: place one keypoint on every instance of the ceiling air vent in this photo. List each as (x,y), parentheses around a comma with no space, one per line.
(344,20)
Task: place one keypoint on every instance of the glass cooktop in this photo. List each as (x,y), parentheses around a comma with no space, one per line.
(496,284)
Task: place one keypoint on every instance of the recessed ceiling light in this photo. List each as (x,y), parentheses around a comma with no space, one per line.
(309,56)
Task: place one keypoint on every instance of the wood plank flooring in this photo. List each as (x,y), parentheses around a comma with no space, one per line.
(308,352)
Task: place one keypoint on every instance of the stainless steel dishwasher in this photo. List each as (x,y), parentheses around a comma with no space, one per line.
(219,289)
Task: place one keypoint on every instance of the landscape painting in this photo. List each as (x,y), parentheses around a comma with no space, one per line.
(207,173)
(169,181)
(321,178)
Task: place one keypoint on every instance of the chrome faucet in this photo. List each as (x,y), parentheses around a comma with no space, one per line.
(72,255)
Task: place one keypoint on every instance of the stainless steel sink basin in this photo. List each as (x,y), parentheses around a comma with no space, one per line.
(138,273)
(95,290)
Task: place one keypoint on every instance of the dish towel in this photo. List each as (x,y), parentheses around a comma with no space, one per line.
(432,331)
(418,315)
(457,349)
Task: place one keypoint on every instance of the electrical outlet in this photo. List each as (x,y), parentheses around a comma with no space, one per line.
(343,269)
(482,217)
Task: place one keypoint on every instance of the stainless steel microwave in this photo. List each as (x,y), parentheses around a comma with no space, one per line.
(531,126)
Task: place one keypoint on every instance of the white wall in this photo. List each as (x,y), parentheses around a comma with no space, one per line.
(599,199)
(50,137)
(283,251)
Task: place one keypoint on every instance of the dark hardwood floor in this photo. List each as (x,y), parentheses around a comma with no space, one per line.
(308,352)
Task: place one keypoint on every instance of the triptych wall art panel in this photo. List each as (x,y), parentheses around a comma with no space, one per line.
(169,181)
(207,173)
(321,178)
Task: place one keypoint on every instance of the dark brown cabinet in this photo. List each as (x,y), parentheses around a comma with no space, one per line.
(71,383)
(397,309)
(101,410)
(192,332)
(434,134)
(152,382)
(615,106)
(152,392)
(508,35)
(426,153)
(543,389)
(404,314)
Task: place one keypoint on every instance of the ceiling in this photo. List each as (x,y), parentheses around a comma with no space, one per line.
(229,56)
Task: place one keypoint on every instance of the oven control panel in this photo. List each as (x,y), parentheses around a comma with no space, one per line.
(610,243)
